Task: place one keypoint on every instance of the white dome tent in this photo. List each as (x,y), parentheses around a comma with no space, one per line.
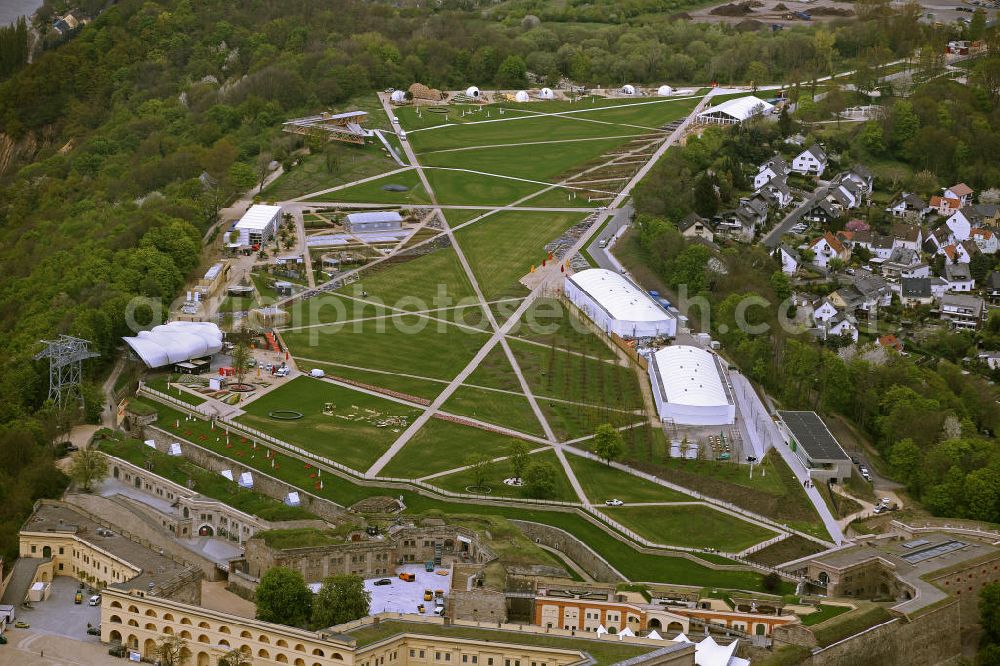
(397,97)
(176,342)
(664,91)
(521,96)
(546,93)
(473,92)
(628,89)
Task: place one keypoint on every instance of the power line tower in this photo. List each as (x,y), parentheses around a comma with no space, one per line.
(66,356)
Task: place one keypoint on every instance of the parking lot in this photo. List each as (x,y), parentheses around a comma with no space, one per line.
(59,615)
(403,597)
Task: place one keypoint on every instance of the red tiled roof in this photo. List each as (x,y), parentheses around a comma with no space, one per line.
(952,203)
(961,189)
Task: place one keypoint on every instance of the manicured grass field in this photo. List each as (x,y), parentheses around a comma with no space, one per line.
(505,409)
(350,437)
(644,111)
(432,280)
(633,564)
(404,343)
(691,526)
(563,198)
(555,322)
(442,445)
(546,162)
(602,482)
(825,612)
(372,192)
(460,481)
(159,383)
(413,386)
(311,175)
(465,188)
(503,247)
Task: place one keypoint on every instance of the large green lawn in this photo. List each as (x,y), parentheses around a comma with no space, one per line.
(602,482)
(465,188)
(557,323)
(351,436)
(314,172)
(442,445)
(633,564)
(372,192)
(503,247)
(459,482)
(504,409)
(696,526)
(429,281)
(404,343)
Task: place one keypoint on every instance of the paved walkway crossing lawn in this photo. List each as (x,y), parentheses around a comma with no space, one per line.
(433,280)
(351,434)
(465,188)
(373,192)
(442,445)
(602,482)
(412,386)
(459,481)
(692,526)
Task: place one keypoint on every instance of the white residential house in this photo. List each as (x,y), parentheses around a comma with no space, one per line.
(843,325)
(960,253)
(959,227)
(962,192)
(959,278)
(905,263)
(945,205)
(862,177)
(964,311)
(985,240)
(788,258)
(909,236)
(777,193)
(910,206)
(768,171)
(826,248)
(810,162)
(824,310)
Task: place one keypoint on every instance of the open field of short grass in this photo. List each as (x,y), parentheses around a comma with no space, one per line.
(633,564)
(349,163)
(504,409)
(466,188)
(503,247)
(350,436)
(555,322)
(160,383)
(418,387)
(786,550)
(602,482)
(695,526)
(460,481)
(372,192)
(406,343)
(431,280)
(442,445)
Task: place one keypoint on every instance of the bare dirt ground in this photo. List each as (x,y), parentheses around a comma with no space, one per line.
(216,597)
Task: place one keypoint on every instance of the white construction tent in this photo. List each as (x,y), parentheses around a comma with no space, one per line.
(664,91)
(734,111)
(258,224)
(176,342)
(689,387)
(473,91)
(618,305)
(398,96)
(546,93)
(628,89)
(246,480)
(521,96)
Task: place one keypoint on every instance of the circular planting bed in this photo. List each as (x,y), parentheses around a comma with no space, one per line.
(436,109)
(285,415)
(476,490)
(241,388)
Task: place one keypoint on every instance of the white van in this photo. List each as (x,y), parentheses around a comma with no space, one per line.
(316,372)
(402,135)
(439,610)
(95,600)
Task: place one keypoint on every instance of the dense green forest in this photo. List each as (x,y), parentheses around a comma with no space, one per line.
(119,146)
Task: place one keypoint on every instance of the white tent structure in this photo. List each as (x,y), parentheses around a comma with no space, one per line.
(655,635)
(689,388)
(151,443)
(664,91)
(175,342)
(293,499)
(246,480)
(175,449)
(228,473)
(473,92)
(546,93)
(625,633)
(735,111)
(618,305)
(628,89)
(601,630)
(258,225)
(397,97)
(521,96)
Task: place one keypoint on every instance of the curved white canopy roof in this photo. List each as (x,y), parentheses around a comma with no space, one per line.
(663,91)
(472,91)
(621,297)
(690,376)
(740,108)
(546,93)
(175,342)
(628,89)
(521,96)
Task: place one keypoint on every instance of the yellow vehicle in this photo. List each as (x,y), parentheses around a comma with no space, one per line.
(427,595)
(420,608)
(78,599)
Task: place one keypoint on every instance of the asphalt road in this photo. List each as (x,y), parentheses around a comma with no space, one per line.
(620,218)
